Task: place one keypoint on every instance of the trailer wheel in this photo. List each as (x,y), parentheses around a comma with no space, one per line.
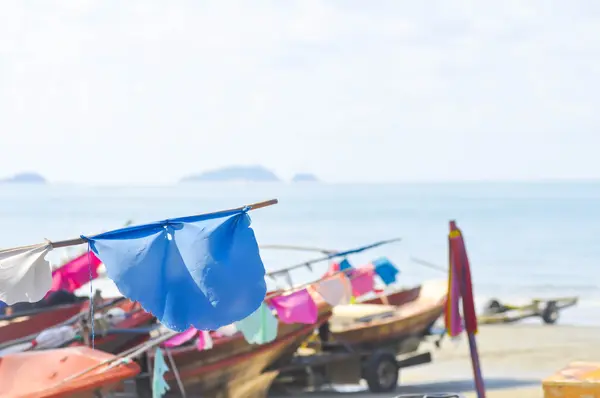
(493,307)
(550,313)
(381,372)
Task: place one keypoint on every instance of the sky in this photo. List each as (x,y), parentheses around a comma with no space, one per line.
(145,92)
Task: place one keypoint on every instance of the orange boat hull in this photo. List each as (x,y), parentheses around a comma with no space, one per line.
(40,374)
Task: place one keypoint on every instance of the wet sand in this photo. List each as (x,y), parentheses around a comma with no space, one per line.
(514,359)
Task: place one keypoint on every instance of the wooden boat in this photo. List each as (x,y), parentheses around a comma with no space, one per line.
(397,298)
(23,324)
(232,365)
(108,338)
(363,341)
(117,338)
(403,323)
(51,367)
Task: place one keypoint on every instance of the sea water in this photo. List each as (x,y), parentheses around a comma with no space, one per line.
(524,240)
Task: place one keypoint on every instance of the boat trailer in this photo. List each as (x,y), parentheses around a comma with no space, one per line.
(547,309)
(340,363)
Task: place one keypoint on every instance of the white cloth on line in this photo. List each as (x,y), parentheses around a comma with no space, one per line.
(335,290)
(25,274)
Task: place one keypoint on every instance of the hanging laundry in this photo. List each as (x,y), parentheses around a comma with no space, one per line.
(385,270)
(335,290)
(181,338)
(202,271)
(334,268)
(345,264)
(260,327)
(362,280)
(296,307)
(25,274)
(75,273)
(159,385)
(204,341)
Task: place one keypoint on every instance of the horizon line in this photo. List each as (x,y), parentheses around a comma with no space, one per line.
(304,183)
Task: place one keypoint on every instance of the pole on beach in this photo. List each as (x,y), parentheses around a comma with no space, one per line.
(478,377)
(460,269)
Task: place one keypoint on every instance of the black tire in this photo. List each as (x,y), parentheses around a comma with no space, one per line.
(493,306)
(381,372)
(550,314)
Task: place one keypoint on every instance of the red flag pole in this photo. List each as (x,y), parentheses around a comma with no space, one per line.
(458,254)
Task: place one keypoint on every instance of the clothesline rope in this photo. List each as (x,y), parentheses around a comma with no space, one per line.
(329,256)
(80,241)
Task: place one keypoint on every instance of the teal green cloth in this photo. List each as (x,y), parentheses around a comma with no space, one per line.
(260,327)
(159,385)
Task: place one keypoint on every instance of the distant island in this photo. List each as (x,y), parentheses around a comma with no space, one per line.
(25,178)
(234,173)
(305,177)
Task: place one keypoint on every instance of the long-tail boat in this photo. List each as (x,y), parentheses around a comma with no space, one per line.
(115,325)
(25,323)
(402,311)
(406,318)
(233,367)
(363,341)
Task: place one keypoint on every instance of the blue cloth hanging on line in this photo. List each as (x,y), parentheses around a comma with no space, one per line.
(345,264)
(202,271)
(386,270)
(159,385)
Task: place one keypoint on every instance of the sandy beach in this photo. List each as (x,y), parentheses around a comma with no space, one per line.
(515,358)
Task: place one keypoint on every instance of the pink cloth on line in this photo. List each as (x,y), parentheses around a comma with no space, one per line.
(297,307)
(362,280)
(181,338)
(75,273)
(334,268)
(204,342)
